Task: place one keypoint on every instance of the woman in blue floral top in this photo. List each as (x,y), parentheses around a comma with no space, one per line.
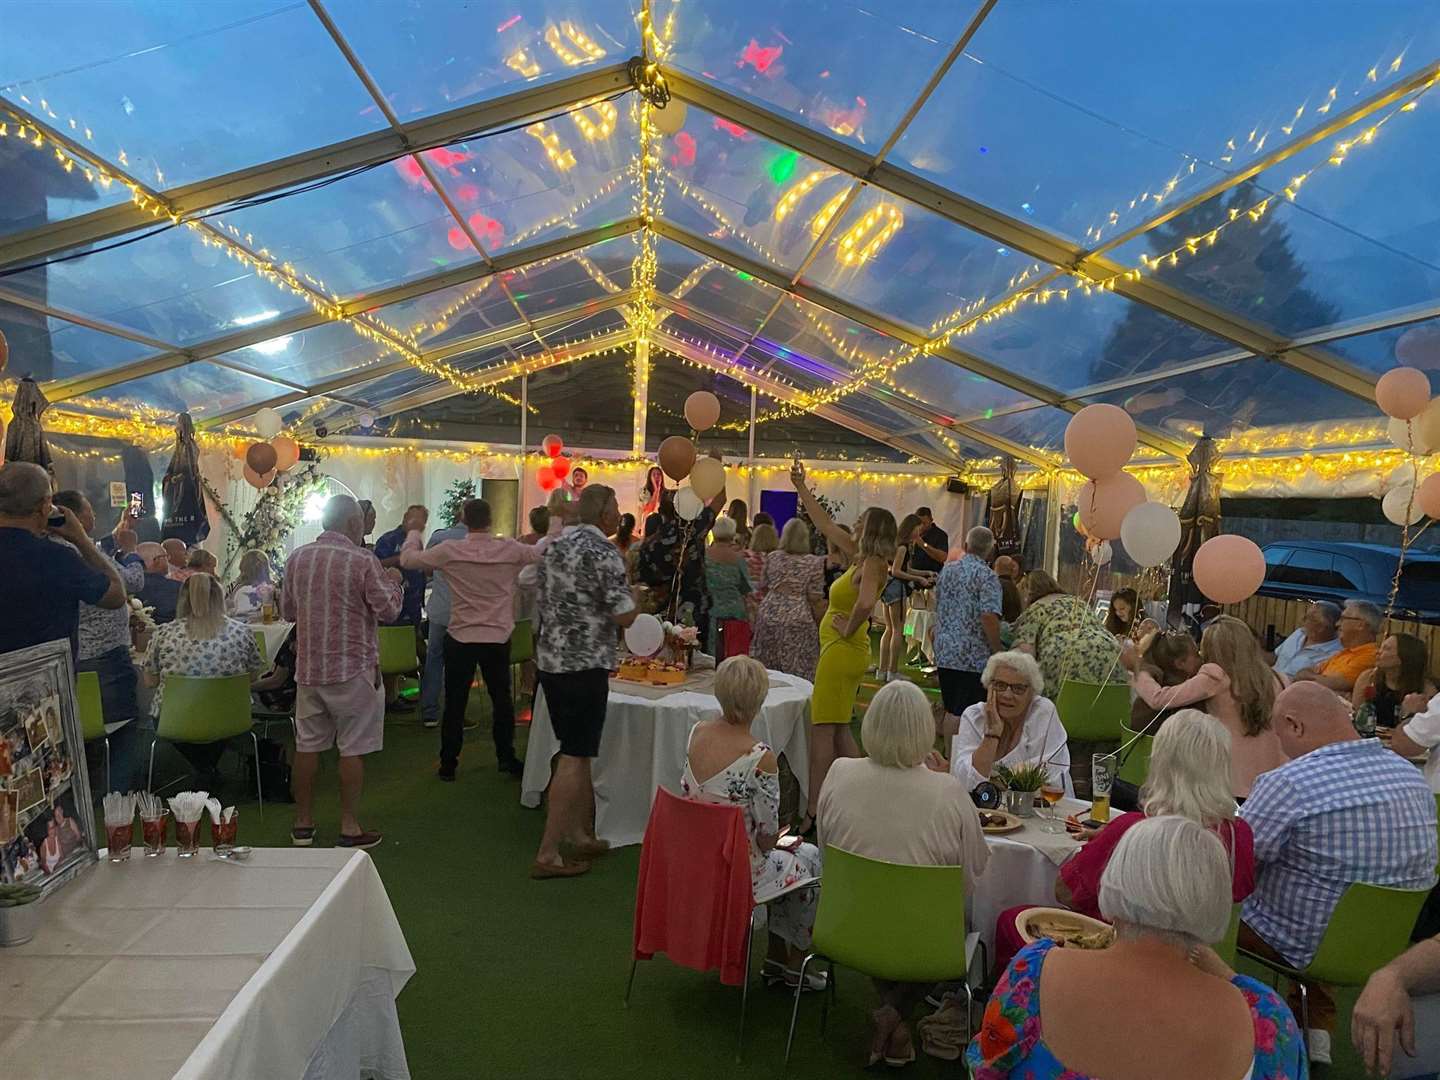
(1158,1001)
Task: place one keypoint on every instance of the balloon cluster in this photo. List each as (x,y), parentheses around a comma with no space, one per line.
(278,454)
(680,460)
(1403,394)
(553,473)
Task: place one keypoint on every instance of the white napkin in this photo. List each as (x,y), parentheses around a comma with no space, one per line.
(119,809)
(188,806)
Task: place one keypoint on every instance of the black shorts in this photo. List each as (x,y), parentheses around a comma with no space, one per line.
(959,689)
(577,700)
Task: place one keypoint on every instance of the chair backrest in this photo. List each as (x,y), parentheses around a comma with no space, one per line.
(1370,927)
(397,650)
(1225,947)
(891,921)
(1135,762)
(201,710)
(1093,712)
(522,641)
(260,644)
(690,900)
(87,704)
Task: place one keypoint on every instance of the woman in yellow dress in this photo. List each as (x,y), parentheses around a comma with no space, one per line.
(844,632)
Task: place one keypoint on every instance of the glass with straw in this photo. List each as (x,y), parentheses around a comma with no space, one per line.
(119,825)
(187,808)
(152,823)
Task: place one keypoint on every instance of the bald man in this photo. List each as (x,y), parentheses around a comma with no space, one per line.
(1343,809)
(1007,569)
(160,591)
(177,554)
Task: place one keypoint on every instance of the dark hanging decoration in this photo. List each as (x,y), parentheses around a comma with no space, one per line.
(25,441)
(185,517)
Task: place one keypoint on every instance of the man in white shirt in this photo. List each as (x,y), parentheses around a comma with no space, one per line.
(1421,734)
(1316,639)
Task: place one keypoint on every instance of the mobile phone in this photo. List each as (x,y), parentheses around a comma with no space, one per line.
(55,520)
(786,839)
(137,504)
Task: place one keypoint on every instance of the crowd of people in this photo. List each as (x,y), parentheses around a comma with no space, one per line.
(1263,789)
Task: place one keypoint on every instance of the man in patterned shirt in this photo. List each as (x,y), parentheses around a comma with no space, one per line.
(1343,810)
(584,595)
(967,629)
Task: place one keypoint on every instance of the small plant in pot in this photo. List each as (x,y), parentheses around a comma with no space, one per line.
(1019,786)
(19,913)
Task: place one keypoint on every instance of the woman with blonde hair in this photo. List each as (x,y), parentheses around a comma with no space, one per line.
(792,585)
(1234,685)
(252,588)
(741,770)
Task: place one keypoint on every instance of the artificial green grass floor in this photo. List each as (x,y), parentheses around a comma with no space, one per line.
(525,979)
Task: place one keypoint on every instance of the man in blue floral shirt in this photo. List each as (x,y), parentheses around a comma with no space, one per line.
(967,626)
(583,596)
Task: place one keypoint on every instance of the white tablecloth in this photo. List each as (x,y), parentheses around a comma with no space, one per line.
(643,747)
(274,634)
(285,966)
(1022,869)
(919,625)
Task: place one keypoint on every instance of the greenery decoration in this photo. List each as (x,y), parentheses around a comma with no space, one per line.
(455,496)
(277,512)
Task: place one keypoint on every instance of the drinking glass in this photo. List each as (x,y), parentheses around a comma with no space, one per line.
(1052,792)
(153,831)
(1102,779)
(119,838)
(222,834)
(187,838)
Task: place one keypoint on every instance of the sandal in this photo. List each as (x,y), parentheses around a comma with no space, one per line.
(906,1053)
(886,1020)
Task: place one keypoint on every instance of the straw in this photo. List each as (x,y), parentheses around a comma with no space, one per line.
(188,805)
(151,807)
(213,805)
(119,809)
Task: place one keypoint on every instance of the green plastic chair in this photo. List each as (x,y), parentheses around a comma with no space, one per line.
(1370,927)
(397,651)
(92,715)
(1225,947)
(522,650)
(206,710)
(260,644)
(1093,712)
(889,921)
(1135,762)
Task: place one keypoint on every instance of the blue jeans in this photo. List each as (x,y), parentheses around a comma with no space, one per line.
(432,679)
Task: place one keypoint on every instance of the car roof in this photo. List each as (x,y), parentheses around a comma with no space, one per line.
(1357,548)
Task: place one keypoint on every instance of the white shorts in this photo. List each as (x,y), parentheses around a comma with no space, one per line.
(349,716)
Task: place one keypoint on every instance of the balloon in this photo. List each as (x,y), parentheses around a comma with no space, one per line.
(645,635)
(258,480)
(1402,476)
(287,452)
(4,351)
(702,409)
(1102,553)
(238,449)
(1424,431)
(1150,533)
(560,466)
(1105,502)
(546,479)
(1099,440)
(1229,568)
(677,457)
(687,504)
(707,477)
(552,445)
(1428,495)
(1396,503)
(268,423)
(366,420)
(1403,392)
(670,119)
(260,457)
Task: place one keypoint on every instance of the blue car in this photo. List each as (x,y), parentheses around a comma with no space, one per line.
(1320,570)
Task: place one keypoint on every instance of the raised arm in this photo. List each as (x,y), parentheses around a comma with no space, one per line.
(834,535)
(872,578)
(1203,685)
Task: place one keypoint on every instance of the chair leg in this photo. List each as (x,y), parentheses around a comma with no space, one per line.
(745,985)
(795,1009)
(828,997)
(969,1008)
(150,776)
(259,792)
(1304,1016)
(108,781)
(630,982)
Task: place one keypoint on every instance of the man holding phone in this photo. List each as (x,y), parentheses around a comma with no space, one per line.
(43,584)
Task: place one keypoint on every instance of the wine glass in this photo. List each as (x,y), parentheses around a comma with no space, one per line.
(1052,791)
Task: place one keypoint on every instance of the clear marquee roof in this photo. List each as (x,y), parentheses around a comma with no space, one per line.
(907,229)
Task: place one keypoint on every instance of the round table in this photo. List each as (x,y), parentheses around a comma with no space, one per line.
(643,747)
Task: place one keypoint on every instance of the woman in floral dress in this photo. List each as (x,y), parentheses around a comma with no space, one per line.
(787,635)
(1066,635)
(739,769)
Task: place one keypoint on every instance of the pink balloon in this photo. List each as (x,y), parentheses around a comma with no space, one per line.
(1428,495)
(1105,502)
(1403,392)
(1228,568)
(1100,440)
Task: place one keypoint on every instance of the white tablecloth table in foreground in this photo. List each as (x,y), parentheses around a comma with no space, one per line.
(285,966)
(643,747)
(1022,869)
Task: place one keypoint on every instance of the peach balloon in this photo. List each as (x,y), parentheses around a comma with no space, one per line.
(258,480)
(1228,568)
(552,445)
(287,452)
(677,457)
(702,409)
(261,457)
(1403,392)
(1100,440)
(1105,502)
(1428,495)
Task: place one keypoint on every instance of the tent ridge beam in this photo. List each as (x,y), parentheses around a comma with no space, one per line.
(373,148)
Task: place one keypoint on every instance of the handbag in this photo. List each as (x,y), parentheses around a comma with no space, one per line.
(274,772)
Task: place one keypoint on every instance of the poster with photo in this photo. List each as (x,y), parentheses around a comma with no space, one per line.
(47,823)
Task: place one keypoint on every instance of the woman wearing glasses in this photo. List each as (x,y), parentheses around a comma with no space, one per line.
(1013,725)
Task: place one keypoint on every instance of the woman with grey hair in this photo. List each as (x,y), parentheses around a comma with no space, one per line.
(899,805)
(742,771)
(1014,725)
(1157,995)
(787,634)
(727,580)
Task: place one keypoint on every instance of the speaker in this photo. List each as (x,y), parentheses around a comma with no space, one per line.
(956,486)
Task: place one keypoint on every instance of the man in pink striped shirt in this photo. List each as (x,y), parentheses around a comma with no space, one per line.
(481,571)
(337,594)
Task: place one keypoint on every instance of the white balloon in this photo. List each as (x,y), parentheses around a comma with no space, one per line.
(1397,502)
(645,635)
(367,420)
(1103,553)
(1424,431)
(1150,533)
(671,118)
(688,504)
(1402,476)
(268,423)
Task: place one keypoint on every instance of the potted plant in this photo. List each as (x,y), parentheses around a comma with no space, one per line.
(1019,786)
(19,914)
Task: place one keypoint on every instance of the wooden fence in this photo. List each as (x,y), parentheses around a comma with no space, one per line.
(1263,612)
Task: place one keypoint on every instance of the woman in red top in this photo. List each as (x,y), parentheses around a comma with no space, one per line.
(1189,777)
